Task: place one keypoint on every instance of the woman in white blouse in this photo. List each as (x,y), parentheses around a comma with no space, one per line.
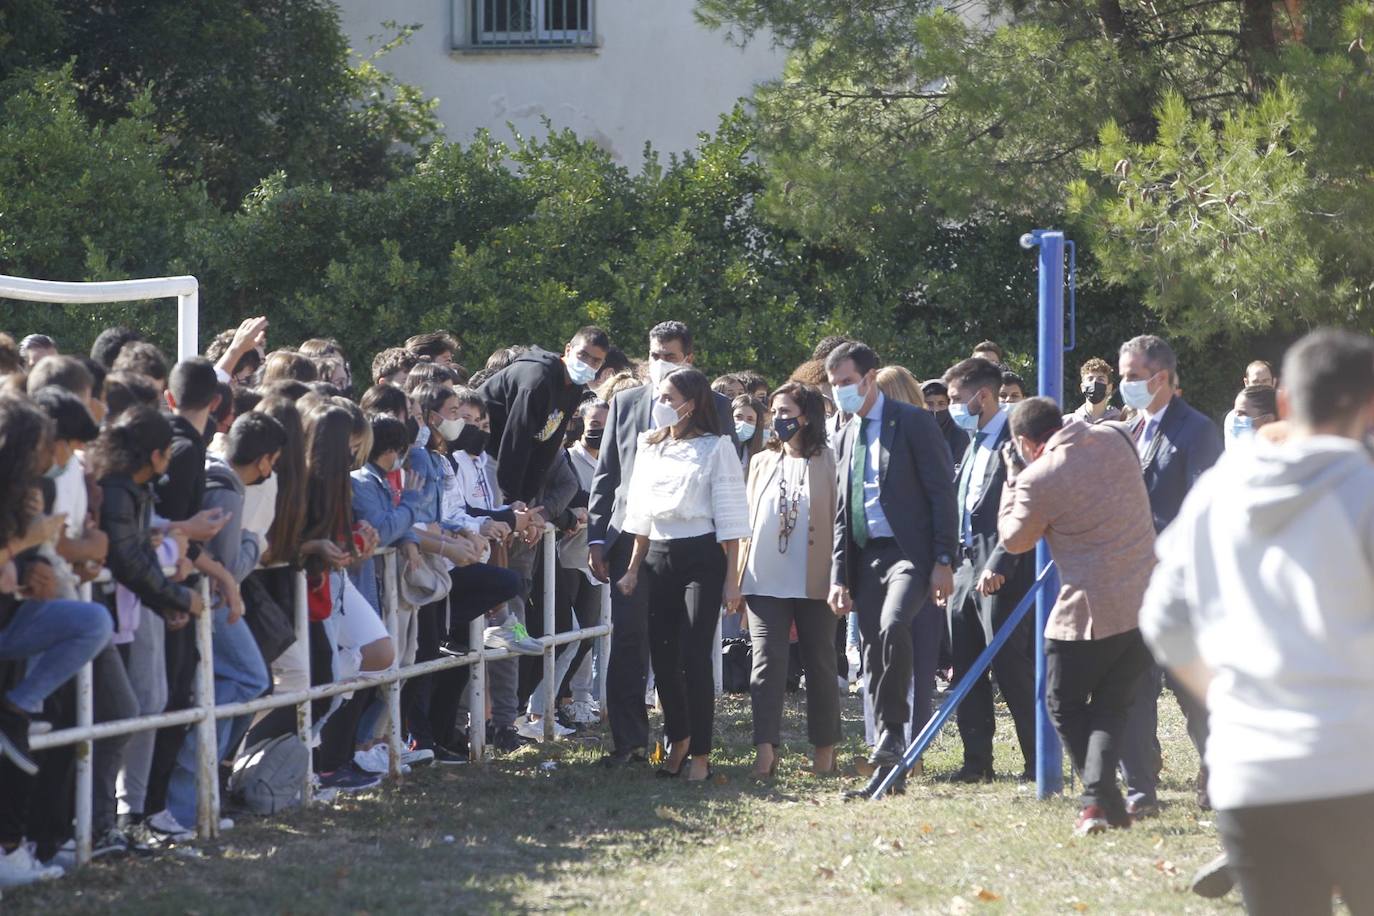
(686,509)
(786,575)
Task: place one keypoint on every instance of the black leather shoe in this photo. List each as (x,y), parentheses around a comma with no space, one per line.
(1214,879)
(888,749)
(968,774)
(868,791)
(619,759)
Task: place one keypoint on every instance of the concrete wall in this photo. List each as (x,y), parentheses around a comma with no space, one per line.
(655,74)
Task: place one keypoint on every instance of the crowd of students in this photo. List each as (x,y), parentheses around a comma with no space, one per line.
(850,506)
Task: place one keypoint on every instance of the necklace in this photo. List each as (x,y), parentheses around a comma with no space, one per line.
(788,505)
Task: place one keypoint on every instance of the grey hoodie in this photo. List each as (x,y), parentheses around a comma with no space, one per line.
(238,550)
(1267,574)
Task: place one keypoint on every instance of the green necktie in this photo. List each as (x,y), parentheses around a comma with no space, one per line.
(858,517)
(966,477)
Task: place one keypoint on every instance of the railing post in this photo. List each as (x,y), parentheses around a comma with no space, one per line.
(477,696)
(304,730)
(390,608)
(605,654)
(85,784)
(207,758)
(1049,764)
(550,593)
(188,324)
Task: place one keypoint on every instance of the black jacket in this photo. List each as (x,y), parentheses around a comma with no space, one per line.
(181,490)
(915,489)
(529,403)
(1187,444)
(125,513)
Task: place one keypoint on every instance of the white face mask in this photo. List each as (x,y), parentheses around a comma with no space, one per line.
(664,414)
(659,369)
(578,371)
(450,429)
(1137,393)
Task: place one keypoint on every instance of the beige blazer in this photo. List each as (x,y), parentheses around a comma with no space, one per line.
(762,492)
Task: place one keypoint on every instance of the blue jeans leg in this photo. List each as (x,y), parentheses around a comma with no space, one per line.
(57,637)
(239,675)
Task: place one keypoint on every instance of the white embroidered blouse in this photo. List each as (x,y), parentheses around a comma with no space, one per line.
(684,488)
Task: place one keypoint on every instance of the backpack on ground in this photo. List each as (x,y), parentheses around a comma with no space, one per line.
(268,777)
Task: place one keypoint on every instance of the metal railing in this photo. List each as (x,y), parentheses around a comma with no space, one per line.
(530,23)
(204,713)
(980,665)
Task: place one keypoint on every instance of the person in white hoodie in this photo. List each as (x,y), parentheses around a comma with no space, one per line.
(1263,604)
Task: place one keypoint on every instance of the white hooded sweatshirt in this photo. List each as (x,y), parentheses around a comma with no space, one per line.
(1268,575)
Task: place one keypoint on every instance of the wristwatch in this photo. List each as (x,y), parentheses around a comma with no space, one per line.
(944,559)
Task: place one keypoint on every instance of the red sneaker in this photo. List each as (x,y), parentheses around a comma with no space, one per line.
(1091,819)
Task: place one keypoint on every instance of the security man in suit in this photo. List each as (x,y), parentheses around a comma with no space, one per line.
(608,554)
(1176,444)
(895,533)
(988,582)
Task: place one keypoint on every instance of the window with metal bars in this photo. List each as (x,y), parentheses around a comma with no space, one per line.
(532,23)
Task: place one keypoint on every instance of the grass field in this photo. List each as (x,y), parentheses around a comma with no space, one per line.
(546,829)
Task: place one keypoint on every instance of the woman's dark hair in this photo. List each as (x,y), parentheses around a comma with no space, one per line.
(284,364)
(286,387)
(426,373)
(385,399)
(245,400)
(25,438)
(226,407)
(109,342)
(431,399)
(811,403)
(328,484)
(126,445)
(755,443)
(284,537)
(695,390)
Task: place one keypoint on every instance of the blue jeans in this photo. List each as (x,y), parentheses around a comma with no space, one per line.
(57,637)
(240,675)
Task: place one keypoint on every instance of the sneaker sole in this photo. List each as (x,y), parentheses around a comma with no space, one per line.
(17,756)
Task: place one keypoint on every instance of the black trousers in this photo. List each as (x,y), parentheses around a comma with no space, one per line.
(971,627)
(627,670)
(1288,858)
(888,591)
(685,579)
(429,704)
(1090,685)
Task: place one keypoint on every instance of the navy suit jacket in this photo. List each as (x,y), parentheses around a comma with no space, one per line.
(915,489)
(1187,444)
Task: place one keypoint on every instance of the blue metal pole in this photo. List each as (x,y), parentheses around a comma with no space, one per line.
(1049,763)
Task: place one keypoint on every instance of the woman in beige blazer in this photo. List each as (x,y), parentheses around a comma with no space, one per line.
(785,574)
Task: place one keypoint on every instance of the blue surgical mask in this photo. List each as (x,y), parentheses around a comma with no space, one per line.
(744,431)
(966,421)
(848,398)
(578,371)
(1137,394)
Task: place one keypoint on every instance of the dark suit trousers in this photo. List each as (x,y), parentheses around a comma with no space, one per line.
(888,590)
(1140,752)
(685,578)
(627,670)
(972,624)
(1090,685)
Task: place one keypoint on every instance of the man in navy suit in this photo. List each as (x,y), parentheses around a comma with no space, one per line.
(1176,444)
(988,581)
(895,532)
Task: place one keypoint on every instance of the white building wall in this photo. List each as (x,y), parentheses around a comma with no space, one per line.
(655,75)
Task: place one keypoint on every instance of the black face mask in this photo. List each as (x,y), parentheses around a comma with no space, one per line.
(1095,392)
(592,438)
(785,429)
(943,418)
(471,440)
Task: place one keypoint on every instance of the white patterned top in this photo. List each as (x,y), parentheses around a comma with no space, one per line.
(684,488)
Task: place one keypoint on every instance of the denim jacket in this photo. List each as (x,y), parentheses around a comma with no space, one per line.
(372,503)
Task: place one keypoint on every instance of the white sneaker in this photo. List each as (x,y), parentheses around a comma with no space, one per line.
(377,759)
(512,637)
(416,758)
(584,712)
(534,731)
(168,828)
(22,867)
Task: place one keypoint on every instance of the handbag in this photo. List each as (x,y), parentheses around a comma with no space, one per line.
(273,628)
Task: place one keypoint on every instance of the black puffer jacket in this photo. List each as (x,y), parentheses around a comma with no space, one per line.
(125,514)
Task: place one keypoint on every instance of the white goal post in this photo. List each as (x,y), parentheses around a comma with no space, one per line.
(186,290)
